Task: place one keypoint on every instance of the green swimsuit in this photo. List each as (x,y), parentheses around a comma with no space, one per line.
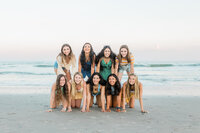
(105,70)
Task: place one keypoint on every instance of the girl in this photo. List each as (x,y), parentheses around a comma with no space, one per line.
(65,61)
(132,89)
(78,91)
(113,92)
(86,62)
(60,93)
(96,87)
(124,62)
(105,62)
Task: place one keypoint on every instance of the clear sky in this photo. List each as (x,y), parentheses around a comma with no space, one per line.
(153,29)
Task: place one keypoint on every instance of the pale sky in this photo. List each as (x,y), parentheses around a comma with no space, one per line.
(153,29)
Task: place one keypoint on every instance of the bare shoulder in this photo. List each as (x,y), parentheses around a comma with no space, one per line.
(54,86)
(140,84)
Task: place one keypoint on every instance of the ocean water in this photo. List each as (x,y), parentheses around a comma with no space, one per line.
(157,77)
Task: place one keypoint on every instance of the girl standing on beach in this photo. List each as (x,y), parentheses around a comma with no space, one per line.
(113,93)
(86,62)
(132,89)
(78,91)
(65,62)
(60,93)
(96,87)
(105,62)
(124,62)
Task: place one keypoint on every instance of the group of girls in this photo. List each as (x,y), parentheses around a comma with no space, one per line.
(98,76)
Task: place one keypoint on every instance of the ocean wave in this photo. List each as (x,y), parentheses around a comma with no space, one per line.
(165,65)
(24,73)
(43,65)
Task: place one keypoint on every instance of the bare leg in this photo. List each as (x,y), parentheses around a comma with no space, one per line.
(132,102)
(91,101)
(99,101)
(120,76)
(73,104)
(78,103)
(109,98)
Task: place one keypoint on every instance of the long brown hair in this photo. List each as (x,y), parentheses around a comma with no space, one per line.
(136,86)
(128,56)
(59,92)
(64,57)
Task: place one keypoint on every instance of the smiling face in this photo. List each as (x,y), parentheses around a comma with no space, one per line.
(112,80)
(131,80)
(87,48)
(107,52)
(62,81)
(123,52)
(77,79)
(66,50)
(96,79)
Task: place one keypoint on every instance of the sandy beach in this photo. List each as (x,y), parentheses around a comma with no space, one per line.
(167,114)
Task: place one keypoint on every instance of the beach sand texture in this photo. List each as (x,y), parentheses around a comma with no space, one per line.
(167,114)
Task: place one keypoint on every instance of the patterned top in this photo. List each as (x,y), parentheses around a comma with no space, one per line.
(124,61)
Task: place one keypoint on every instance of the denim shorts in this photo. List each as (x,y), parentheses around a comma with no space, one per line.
(124,68)
(55,65)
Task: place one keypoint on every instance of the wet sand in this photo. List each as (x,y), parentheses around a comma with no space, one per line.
(167,114)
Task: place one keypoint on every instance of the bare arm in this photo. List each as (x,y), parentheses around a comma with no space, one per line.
(79,64)
(93,65)
(98,66)
(112,69)
(88,98)
(103,98)
(84,96)
(69,99)
(132,68)
(140,96)
(124,95)
(52,98)
(116,68)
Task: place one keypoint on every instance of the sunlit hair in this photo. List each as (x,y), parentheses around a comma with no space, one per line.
(90,81)
(135,86)
(101,54)
(73,91)
(83,58)
(59,92)
(128,56)
(117,85)
(63,56)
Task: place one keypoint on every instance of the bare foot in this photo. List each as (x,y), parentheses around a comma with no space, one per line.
(108,110)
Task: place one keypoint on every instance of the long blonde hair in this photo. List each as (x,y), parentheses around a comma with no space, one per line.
(74,84)
(136,87)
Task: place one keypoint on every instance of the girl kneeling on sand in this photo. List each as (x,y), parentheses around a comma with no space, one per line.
(60,93)
(113,93)
(96,87)
(132,89)
(78,91)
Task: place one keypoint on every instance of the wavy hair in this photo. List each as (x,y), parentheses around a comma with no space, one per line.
(82,57)
(101,54)
(63,56)
(128,56)
(90,81)
(117,85)
(59,91)
(135,86)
